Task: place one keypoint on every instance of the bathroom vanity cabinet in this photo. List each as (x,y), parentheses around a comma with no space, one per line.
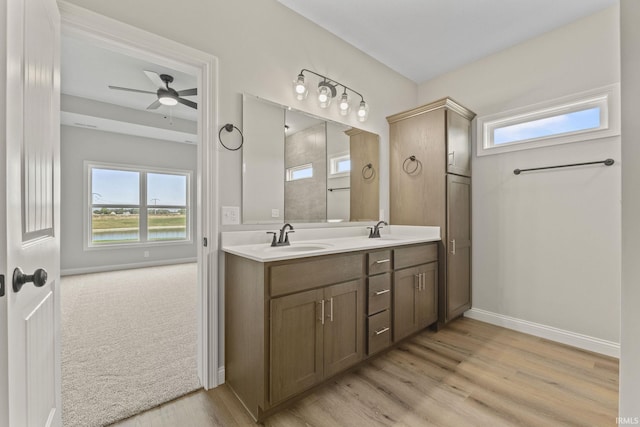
(430,184)
(291,324)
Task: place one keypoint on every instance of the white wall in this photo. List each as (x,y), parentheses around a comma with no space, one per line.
(261,46)
(546,246)
(630,351)
(78,145)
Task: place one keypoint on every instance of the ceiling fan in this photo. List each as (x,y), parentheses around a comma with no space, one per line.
(166,95)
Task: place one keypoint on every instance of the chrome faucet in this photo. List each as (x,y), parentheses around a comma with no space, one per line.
(283,239)
(374,232)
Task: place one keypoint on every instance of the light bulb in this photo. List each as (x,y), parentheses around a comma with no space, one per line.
(300,88)
(343,106)
(325,93)
(363,111)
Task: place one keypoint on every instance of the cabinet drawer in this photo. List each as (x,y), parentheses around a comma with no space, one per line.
(303,275)
(415,255)
(378,262)
(379,327)
(379,293)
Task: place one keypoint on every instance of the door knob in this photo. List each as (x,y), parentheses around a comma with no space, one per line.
(39,278)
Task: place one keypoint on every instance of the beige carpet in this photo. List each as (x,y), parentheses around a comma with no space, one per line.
(129,342)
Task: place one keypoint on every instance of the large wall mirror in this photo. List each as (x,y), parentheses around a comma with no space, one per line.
(300,168)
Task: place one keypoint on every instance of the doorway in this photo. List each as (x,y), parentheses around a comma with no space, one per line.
(88,27)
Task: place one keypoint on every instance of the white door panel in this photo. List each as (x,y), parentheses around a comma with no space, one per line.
(31,203)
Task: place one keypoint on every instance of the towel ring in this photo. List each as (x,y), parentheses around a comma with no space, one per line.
(368,167)
(229,128)
(405,167)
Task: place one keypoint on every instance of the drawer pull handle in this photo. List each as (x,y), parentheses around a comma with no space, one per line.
(386,291)
(382,261)
(381,331)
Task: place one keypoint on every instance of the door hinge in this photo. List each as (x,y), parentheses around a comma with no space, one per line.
(1,285)
(205,242)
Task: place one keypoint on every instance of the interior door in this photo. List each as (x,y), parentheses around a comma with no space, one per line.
(31,202)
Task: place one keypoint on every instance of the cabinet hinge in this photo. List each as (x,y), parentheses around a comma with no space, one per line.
(205,242)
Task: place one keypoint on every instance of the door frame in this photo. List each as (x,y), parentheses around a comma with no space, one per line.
(115,35)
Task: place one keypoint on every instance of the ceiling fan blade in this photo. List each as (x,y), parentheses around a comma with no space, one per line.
(154,105)
(155,79)
(188,103)
(188,92)
(130,90)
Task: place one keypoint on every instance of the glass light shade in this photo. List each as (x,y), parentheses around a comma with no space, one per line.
(324,95)
(168,100)
(363,111)
(300,88)
(343,105)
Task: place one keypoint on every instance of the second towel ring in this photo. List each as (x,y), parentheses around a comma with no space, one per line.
(368,168)
(405,166)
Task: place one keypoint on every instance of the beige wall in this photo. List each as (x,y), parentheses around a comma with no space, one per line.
(546,246)
(630,354)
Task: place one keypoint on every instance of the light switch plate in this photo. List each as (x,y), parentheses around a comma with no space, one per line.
(230,215)
(275,213)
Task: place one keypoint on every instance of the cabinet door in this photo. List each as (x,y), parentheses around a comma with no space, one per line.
(343,326)
(426,296)
(417,191)
(405,285)
(458,286)
(296,343)
(458,144)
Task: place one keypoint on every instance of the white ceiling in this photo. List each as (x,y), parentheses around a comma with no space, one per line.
(88,70)
(422,39)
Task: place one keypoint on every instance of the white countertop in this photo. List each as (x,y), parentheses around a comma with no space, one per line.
(256,245)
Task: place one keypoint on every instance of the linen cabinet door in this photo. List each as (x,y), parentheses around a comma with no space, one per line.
(343,326)
(458,144)
(296,343)
(458,289)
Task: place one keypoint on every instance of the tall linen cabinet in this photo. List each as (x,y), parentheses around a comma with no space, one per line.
(430,184)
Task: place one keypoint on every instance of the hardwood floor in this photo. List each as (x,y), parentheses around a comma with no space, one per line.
(467,374)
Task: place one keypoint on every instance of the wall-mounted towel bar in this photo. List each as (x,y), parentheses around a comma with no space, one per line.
(607,162)
(338,188)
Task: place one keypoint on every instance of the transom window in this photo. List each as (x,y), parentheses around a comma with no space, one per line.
(590,115)
(129,206)
(299,172)
(340,165)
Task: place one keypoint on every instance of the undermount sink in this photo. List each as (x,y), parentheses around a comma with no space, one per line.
(299,247)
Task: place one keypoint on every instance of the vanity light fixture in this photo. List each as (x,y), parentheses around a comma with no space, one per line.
(327,90)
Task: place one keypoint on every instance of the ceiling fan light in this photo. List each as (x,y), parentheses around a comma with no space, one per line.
(168,100)
(343,105)
(363,111)
(300,88)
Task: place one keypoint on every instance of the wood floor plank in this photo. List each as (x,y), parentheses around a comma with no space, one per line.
(469,373)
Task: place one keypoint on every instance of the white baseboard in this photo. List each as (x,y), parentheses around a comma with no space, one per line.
(573,339)
(117,267)
(221,376)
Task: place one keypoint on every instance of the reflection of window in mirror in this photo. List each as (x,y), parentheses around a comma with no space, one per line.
(300,172)
(340,165)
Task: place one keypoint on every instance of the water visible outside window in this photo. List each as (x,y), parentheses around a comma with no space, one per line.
(169,221)
(550,126)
